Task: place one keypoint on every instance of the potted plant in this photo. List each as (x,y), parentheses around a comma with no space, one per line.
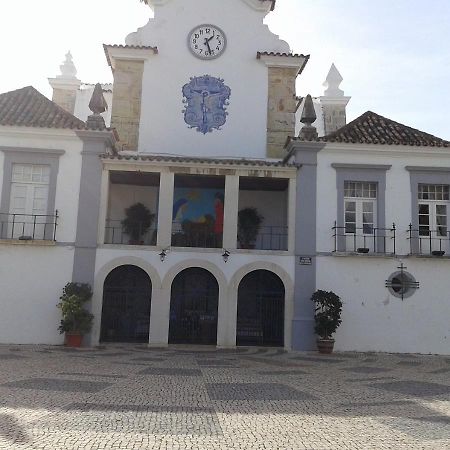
(76,321)
(137,222)
(328,309)
(249,224)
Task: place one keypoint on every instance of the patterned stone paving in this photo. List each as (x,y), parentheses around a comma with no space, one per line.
(132,397)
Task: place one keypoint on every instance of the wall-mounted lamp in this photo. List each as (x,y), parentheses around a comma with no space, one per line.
(163,254)
(225,255)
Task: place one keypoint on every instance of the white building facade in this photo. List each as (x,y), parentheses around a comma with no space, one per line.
(200,110)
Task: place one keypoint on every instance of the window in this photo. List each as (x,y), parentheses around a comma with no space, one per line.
(433,202)
(29,200)
(402,284)
(360,202)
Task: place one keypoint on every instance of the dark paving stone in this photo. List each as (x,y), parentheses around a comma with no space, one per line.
(126,363)
(108,407)
(374,404)
(406,356)
(271,362)
(153,419)
(168,371)
(363,369)
(370,360)
(149,359)
(324,359)
(362,380)
(415,388)
(93,374)
(348,355)
(6,357)
(282,372)
(444,370)
(232,350)
(434,419)
(58,385)
(206,363)
(409,363)
(255,391)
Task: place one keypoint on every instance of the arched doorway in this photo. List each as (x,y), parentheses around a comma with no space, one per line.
(127,293)
(194,303)
(260,311)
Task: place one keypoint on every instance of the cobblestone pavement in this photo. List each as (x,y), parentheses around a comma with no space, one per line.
(132,397)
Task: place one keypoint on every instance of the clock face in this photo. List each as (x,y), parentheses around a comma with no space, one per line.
(207,41)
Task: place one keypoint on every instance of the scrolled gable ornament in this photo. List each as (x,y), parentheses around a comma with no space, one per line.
(206,99)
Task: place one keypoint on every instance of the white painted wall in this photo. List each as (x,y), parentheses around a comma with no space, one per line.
(32,278)
(166,73)
(122,196)
(375,320)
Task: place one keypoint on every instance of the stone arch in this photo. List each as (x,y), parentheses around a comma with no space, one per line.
(288,296)
(99,281)
(223,315)
(187,264)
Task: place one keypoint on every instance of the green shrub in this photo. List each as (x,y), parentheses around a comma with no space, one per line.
(327,313)
(75,319)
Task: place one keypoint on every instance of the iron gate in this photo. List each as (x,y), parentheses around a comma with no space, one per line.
(193,308)
(260,315)
(126,305)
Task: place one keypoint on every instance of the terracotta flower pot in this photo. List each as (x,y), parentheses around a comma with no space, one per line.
(325,345)
(73,340)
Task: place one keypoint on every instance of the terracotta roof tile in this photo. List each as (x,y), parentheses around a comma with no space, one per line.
(290,55)
(29,108)
(371,128)
(198,160)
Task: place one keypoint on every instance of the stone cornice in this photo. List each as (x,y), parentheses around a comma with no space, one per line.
(128,53)
(284,60)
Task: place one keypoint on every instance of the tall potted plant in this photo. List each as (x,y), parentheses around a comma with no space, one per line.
(249,224)
(328,310)
(76,321)
(137,222)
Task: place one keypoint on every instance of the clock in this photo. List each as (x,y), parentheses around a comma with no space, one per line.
(207,41)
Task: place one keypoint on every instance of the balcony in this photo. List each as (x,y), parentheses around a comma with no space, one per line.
(137,234)
(28,227)
(132,208)
(365,240)
(427,242)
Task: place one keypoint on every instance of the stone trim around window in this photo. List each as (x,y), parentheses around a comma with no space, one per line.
(19,155)
(423,175)
(375,173)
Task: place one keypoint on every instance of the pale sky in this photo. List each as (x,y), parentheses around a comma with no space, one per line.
(394,55)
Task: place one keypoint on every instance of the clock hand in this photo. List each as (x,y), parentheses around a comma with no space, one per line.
(207,44)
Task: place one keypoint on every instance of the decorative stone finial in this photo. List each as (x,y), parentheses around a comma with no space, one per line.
(308,132)
(332,83)
(68,69)
(98,106)
(309,113)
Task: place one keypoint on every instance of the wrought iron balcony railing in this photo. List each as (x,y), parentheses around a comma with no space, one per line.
(269,238)
(367,239)
(115,233)
(28,227)
(193,234)
(425,241)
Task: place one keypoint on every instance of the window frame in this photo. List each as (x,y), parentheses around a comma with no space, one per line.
(372,173)
(423,175)
(33,156)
